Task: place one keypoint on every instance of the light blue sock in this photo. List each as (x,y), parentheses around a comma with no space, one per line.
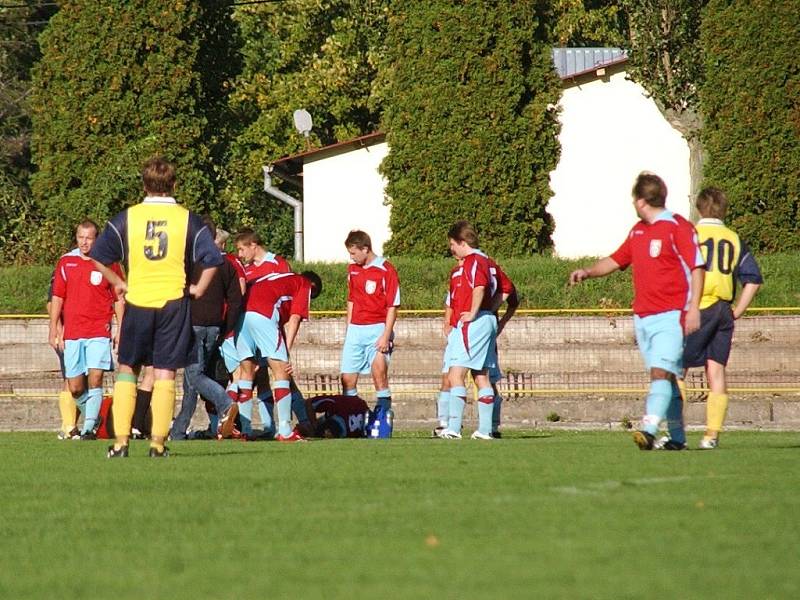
(283,404)
(656,405)
(94,399)
(485,410)
(299,406)
(458,398)
(353,392)
(384,398)
(246,416)
(443,408)
(266,406)
(677,432)
(80,402)
(497,406)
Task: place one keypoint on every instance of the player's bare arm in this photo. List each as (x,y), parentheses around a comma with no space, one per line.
(512,304)
(292,327)
(55,337)
(119,311)
(477,300)
(383,343)
(446,327)
(748,293)
(692,321)
(198,289)
(604,266)
(349,312)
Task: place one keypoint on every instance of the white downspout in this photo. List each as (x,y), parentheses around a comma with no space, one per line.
(294,203)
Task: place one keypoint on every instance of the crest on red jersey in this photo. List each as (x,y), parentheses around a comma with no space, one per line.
(96,278)
(655,248)
(370,287)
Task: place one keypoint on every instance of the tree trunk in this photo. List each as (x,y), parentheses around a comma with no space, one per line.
(689,123)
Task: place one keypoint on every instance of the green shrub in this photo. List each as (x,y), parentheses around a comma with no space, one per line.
(471,125)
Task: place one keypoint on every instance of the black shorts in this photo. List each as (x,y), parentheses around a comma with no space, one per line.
(713,340)
(162,337)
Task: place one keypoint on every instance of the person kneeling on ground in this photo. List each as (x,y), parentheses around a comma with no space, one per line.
(341,416)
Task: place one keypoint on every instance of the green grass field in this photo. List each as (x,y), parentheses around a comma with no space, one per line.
(535,515)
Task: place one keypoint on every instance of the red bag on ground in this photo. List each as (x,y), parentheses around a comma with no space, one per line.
(106,429)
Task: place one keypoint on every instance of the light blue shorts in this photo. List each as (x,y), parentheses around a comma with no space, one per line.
(495,373)
(228,352)
(260,336)
(660,340)
(474,346)
(359,349)
(87,353)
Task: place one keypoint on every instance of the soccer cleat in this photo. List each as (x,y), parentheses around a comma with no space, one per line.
(227,422)
(292,437)
(437,431)
(670,445)
(478,435)
(497,434)
(114,453)
(72,435)
(137,435)
(88,436)
(659,443)
(644,440)
(708,443)
(156,453)
(447,434)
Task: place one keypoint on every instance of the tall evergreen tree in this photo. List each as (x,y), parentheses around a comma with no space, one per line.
(120,80)
(751,100)
(471,124)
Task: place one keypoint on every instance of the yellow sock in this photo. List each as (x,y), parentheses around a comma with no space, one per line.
(66,406)
(682,388)
(162,405)
(716,407)
(123,406)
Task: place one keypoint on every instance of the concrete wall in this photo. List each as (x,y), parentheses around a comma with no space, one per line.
(610,131)
(341,193)
(586,370)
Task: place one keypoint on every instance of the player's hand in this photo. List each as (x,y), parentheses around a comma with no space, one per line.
(121,289)
(446,329)
(53,340)
(692,321)
(383,344)
(193,291)
(577,276)
(289,368)
(115,341)
(466,317)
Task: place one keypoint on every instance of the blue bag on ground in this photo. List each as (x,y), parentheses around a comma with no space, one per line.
(380,423)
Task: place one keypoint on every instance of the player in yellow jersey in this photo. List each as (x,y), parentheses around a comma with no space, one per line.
(727,260)
(158,241)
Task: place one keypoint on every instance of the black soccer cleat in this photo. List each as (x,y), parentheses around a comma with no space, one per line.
(121,453)
(672,445)
(88,436)
(156,453)
(644,440)
(498,435)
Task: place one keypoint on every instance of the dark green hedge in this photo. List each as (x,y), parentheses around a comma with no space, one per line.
(118,81)
(471,125)
(751,102)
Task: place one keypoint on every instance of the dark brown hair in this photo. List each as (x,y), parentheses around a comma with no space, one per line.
(463,231)
(358,238)
(158,176)
(650,188)
(712,203)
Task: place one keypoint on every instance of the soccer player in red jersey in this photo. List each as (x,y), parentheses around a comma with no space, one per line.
(507,295)
(257,261)
(372,301)
(263,334)
(668,273)
(85,301)
(471,343)
(343,416)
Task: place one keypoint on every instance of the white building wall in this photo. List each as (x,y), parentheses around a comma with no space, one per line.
(341,193)
(610,131)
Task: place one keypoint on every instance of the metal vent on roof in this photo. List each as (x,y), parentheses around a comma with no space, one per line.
(569,61)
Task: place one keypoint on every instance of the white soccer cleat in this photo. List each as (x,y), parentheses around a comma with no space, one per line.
(447,434)
(708,444)
(477,435)
(659,443)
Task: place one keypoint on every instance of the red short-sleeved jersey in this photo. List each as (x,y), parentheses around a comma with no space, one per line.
(474,272)
(351,409)
(373,289)
(237,265)
(271,263)
(663,255)
(88,297)
(284,294)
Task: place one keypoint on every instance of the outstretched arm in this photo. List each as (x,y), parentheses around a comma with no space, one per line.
(604,266)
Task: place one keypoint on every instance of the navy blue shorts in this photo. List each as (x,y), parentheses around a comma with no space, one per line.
(162,337)
(713,340)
